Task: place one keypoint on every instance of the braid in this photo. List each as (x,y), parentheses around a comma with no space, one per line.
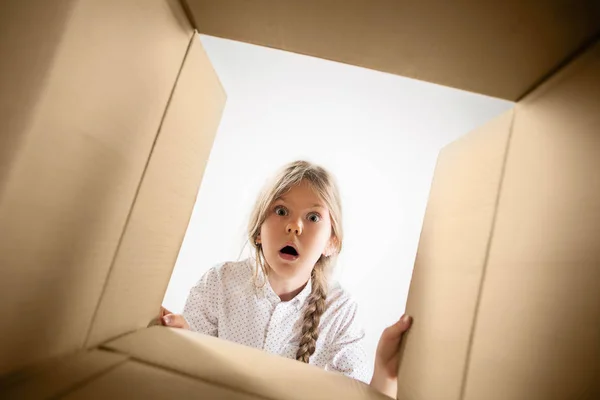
(312,314)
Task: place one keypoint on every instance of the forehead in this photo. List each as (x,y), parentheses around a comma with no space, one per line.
(303,195)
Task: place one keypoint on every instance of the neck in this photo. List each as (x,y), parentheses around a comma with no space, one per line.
(286,289)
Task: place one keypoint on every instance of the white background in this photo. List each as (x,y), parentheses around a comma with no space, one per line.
(379,134)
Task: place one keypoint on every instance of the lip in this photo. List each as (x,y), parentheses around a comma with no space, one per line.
(291,244)
(289,257)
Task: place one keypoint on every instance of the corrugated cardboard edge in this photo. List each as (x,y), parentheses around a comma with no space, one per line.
(487,257)
(571,357)
(132,205)
(286,26)
(226,364)
(450,266)
(165,199)
(78,162)
(569,66)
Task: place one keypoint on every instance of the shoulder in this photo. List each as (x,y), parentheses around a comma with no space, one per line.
(227,276)
(231,270)
(338,296)
(340,302)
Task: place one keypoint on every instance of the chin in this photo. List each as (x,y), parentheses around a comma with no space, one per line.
(284,267)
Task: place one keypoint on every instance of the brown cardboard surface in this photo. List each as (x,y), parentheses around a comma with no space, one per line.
(139,381)
(450,262)
(497,48)
(25,38)
(163,206)
(97,182)
(79,138)
(57,376)
(237,367)
(537,336)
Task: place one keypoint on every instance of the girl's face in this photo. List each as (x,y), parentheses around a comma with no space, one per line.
(296,232)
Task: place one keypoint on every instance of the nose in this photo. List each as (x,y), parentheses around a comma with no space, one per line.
(294,228)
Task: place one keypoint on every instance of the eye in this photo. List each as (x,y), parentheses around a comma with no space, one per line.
(281,211)
(314,217)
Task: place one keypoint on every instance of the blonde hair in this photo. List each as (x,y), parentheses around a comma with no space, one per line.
(326,188)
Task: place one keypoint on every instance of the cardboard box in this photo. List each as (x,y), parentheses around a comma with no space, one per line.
(108,110)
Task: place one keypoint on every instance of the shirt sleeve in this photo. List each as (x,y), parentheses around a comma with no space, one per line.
(347,354)
(202,305)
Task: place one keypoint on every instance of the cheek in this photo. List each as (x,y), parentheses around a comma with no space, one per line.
(320,235)
(268,230)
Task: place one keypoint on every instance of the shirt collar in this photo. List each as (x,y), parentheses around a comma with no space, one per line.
(303,295)
(266,291)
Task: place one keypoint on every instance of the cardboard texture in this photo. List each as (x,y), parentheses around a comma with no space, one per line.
(160,362)
(75,165)
(449,265)
(56,377)
(506,295)
(226,364)
(164,203)
(139,381)
(537,331)
(497,48)
(108,111)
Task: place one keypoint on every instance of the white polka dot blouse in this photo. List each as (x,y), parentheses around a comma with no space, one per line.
(227,304)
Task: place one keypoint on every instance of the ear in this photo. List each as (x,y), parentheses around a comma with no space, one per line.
(331,247)
(258,240)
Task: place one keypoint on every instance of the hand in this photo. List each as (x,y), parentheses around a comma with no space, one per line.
(386,357)
(167,318)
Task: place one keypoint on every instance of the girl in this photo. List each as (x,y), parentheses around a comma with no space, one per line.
(282,300)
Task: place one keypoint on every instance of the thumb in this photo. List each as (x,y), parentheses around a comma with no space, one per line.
(396,330)
(404,323)
(164,311)
(175,321)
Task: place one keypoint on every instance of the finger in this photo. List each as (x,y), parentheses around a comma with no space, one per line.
(404,322)
(174,321)
(164,311)
(395,331)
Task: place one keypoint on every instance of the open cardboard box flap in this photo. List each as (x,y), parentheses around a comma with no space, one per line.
(108,114)
(497,48)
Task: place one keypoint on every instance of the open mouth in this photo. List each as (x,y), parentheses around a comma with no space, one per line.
(288,253)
